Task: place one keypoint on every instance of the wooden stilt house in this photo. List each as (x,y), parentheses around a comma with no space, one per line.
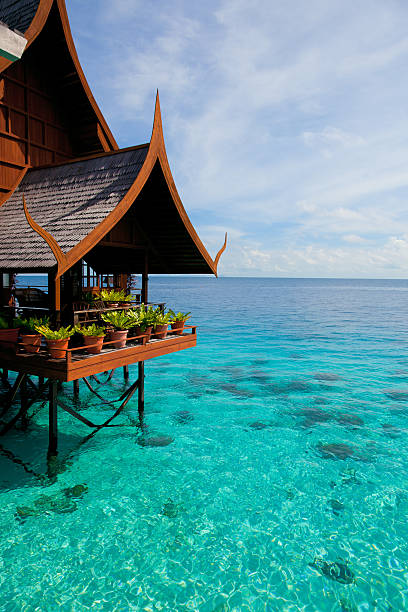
(76,207)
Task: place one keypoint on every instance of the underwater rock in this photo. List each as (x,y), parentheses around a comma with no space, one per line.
(234,390)
(398,395)
(319,400)
(60,503)
(313,416)
(336,506)
(182,417)
(260,361)
(335,451)
(347,606)
(259,376)
(292,386)
(170,509)
(400,374)
(155,441)
(349,477)
(296,356)
(350,420)
(391,431)
(258,425)
(336,570)
(77,491)
(326,376)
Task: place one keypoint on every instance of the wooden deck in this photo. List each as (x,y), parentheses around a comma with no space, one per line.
(79,364)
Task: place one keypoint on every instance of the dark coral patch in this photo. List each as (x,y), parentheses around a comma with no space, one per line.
(258,425)
(155,441)
(182,417)
(335,451)
(336,570)
(326,376)
(398,395)
(350,420)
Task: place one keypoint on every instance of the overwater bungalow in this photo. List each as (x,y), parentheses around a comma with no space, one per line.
(76,207)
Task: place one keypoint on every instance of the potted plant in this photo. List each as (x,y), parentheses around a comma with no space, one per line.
(114,298)
(30,338)
(93,335)
(142,321)
(8,335)
(57,340)
(161,324)
(178,320)
(121,322)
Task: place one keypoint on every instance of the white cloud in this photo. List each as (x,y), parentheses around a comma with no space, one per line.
(285,123)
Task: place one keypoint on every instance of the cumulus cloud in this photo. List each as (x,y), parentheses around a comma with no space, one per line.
(285,122)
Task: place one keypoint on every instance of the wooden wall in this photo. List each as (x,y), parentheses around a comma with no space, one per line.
(46,115)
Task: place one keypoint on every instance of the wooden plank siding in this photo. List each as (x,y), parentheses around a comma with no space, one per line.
(47,112)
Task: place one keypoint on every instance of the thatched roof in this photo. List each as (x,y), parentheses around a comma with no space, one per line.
(68,201)
(18,14)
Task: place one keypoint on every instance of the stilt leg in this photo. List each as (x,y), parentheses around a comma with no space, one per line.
(126,372)
(40,381)
(23,403)
(140,392)
(4,375)
(76,388)
(53,423)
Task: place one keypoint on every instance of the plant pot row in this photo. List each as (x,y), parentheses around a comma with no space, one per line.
(58,348)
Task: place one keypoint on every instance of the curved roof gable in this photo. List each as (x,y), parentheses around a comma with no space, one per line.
(32,16)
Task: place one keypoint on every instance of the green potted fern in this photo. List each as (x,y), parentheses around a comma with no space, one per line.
(121,321)
(142,321)
(161,324)
(92,335)
(114,298)
(178,320)
(57,340)
(30,338)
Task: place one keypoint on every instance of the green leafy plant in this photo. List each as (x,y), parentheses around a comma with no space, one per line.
(161,318)
(29,324)
(120,319)
(91,330)
(178,316)
(110,295)
(3,323)
(63,333)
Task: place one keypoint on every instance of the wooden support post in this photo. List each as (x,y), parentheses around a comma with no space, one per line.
(126,372)
(53,422)
(23,402)
(76,388)
(145,280)
(4,375)
(40,381)
(140,390)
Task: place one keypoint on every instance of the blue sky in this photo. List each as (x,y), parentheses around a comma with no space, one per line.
(285,122)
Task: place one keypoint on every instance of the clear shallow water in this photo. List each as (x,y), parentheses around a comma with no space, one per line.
(248,508)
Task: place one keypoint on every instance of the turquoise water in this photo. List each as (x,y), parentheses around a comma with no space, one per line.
(283,481)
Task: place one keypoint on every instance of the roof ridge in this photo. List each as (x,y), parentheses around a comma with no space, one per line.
(88,157)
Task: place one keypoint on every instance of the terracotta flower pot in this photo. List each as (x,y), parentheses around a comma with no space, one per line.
(177,327)
(147,332)
(32,342)
(57,348)
(120,335)
(9,338)
(98,340)
(161,331)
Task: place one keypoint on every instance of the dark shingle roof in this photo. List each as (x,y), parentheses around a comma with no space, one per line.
(68,201)
(18,14)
